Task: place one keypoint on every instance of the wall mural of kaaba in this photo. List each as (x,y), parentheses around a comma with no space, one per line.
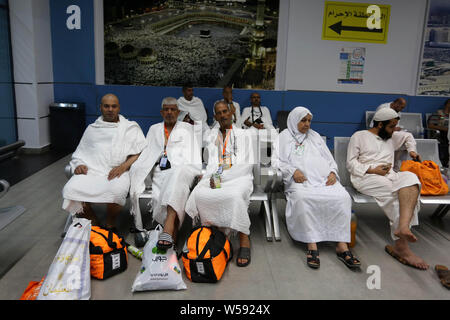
(205,43)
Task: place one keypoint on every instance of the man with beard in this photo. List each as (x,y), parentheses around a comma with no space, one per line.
(370,159)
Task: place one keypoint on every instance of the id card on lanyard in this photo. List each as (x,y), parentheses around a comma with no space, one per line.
(224,157)
(299,149)
(164,162)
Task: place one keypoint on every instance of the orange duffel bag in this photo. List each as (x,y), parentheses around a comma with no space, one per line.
(108,253)
(429,176)
(206,254)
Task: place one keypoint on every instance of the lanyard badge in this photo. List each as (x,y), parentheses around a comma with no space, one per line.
(299,149)
(224,158)
(164,162)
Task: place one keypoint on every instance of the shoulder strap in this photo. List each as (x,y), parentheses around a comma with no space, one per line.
(109,240)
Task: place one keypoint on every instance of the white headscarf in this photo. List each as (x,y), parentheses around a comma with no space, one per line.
(294,117)
(291,136)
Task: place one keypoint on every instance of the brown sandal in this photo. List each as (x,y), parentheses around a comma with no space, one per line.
(443,274)
(390,250)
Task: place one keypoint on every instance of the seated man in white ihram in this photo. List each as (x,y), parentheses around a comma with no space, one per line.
(173,155)
(318,207)
(222,197)
(101,162)
(370,159)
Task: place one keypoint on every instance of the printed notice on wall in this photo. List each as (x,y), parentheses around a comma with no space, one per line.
(351,68)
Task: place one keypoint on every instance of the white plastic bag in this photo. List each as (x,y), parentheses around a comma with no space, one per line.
(69,276)
(159,271)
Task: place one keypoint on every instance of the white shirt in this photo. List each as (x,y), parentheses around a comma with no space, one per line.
(262,112)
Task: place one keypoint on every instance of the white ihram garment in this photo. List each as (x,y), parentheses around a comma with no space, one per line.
(314,212)
(197,112)
(104,146)
(367,150)
(227,206)
(170,187)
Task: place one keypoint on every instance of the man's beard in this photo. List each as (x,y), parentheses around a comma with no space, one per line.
(383,134)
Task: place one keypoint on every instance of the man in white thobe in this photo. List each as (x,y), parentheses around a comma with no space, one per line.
(370,159)
(192,110)
(234,107)
(173,157)
(101,162)
(222,196)
(256,116)
(397,105)
(258,119)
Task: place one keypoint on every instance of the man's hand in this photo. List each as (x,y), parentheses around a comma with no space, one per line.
(81,169)
(299,177)
(247,122)
(117,172)
(397,129)
(258,125)
(415,156)
(382,169)
(331,179)
(188,119)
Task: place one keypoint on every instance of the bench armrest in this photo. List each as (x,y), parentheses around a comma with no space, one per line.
(4,187)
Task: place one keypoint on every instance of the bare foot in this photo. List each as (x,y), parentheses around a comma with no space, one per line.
(411,258)
(406,234)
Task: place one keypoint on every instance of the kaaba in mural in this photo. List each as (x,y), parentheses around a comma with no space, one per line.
(205,43)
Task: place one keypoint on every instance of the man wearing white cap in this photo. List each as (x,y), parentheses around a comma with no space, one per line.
(370,159)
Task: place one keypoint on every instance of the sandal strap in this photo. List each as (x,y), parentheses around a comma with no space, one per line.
(352,258)
(165,237)
(313,253)
(244,253)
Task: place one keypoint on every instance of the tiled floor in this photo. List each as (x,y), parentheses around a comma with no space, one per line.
(278,269)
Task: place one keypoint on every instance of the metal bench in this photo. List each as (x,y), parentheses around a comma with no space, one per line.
(11,150)
(7,215)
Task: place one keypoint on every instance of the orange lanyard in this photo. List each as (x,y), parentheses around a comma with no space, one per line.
(224,145)
(166,141)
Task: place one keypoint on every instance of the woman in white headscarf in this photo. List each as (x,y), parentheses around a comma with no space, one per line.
(318,207)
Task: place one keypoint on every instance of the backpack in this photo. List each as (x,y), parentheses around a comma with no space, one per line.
(108,253)
(429,176)
(206,254)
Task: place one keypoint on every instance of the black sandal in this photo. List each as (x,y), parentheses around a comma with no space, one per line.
(314,261)
(349,259)
(243,253)
(164,237)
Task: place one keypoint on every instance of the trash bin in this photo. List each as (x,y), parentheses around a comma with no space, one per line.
(67,124)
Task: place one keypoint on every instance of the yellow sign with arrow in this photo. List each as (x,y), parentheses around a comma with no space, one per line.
(355,22)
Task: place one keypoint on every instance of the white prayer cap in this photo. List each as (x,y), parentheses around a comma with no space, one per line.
(385,114)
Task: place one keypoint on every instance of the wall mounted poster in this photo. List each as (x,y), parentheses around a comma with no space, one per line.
(351,67)
(204,43)
(435,69)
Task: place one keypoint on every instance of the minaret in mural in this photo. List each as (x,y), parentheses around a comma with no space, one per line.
(259,32)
